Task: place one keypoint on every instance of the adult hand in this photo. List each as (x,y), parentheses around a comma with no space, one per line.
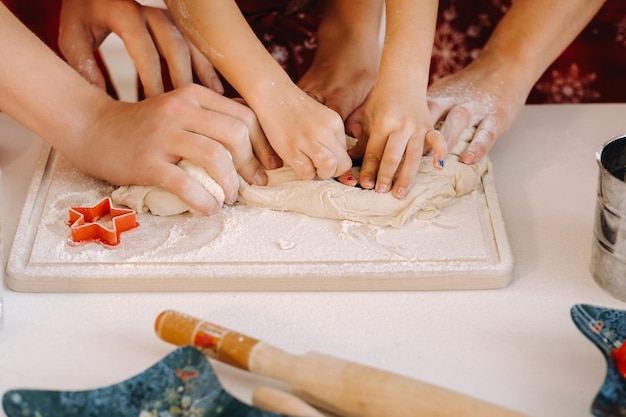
(491,91)
(147,32)
(486,94)
(141,143)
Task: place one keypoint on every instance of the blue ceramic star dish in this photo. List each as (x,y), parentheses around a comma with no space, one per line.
(181,384)
(606,328)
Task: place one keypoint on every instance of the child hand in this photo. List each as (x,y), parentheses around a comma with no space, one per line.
(307,135)
(397,126)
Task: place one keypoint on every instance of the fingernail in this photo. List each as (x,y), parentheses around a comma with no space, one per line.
(355,130)
(232,189)
(216,85)
(441,163)
(382,188)
(400,193)
(275,162)
(347,180)
(260,178)
(367,183)
(206,202)
(468,158)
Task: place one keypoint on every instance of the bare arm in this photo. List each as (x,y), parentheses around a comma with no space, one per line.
(535,32)
(126,143)
(55,113)
(222,34)
(397,117)
(306,134)
(491,91)
(346,60)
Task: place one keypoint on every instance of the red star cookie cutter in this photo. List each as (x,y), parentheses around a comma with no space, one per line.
(84,226)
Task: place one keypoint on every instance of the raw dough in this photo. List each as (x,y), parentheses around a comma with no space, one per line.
(431,190)
(144,198)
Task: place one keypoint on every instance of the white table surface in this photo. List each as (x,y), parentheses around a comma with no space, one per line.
(515,346)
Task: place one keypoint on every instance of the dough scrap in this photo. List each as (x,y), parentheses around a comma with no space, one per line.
(431,190)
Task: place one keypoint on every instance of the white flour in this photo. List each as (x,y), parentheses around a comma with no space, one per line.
(243,242)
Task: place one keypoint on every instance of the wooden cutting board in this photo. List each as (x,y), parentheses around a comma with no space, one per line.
(252,249)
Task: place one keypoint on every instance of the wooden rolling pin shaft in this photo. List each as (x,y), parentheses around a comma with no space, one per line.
(277,401)
(342,387)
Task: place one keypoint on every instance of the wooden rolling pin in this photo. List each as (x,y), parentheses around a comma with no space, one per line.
(277,401)
(344,388)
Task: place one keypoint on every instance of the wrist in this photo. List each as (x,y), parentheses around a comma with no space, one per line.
(80,121)
(266,91)
(514,68)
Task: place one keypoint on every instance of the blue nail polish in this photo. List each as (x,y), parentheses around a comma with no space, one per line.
(441,163)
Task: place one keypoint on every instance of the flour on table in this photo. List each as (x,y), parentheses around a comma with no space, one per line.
(431,190)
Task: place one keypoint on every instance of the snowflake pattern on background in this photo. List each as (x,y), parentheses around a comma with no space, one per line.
(620,37)
(288,31)
(449,55)
(503,5)
(294,6)
(572,87)
(589,70)
(450,50)
(460,35)
(464,26)
(280,54)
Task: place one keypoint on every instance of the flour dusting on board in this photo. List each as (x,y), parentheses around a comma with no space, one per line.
(244,233)
(242,241)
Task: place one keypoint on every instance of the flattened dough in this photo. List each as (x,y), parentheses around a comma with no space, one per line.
(431,190)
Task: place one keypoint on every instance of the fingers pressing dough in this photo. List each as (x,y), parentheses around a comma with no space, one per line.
(431,190)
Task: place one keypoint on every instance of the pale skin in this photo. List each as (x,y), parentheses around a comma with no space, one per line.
(148,34)
(341,75)
(346,61)
(303,133)
(491,91)
(397,123)
(127,143)
(306,134)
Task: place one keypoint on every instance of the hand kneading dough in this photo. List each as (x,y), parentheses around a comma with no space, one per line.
(144,198)
(431,190)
